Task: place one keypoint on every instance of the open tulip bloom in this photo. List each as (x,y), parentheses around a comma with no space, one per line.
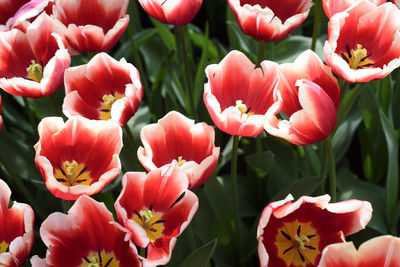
(103,89)
(79,157)
(364,42)
(32,64)
(92,25)
(156,208)
(378,251)
(8,8)
(176,138)
(269,20)
(308,93)
(16,229)
(238,95)
(175,12)
(86,236)
(331,7)
(295,234)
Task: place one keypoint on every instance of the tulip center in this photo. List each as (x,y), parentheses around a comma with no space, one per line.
(357,58)
(151,222)
(35,72)
(100,259)
(106,104)
(3,247)
(72,173)
(297,243)
(181,161)
(243,108)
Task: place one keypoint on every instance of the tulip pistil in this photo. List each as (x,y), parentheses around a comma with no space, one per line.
(35,72)
(3,247)
(151,222)
(99,259)
(357,58)
(72,173)
(106,103)
(181,161)
(297,243)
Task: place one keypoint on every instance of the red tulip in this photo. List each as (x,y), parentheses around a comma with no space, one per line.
(364,42)
(86,236)
(396,2)
(331,7)
(308,93)
(295,234)
(79,157)
(16,229)
(156,208)
(270,20)
(176,138)
(8,9)
(103,89)
(378,251)
(32,64)
(175,12)
(92,25)
(238,95)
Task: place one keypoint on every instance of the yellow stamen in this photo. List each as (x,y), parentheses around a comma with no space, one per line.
(357,58)
(181,161)
(100,258)
(241,107)
(35,72)
(106,104)
(72,173)
(151,222)
(3,247)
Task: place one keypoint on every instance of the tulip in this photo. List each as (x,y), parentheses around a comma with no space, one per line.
(32,64)
(238,95)
(308,94)
(86,236)
(16,229)
(378,251)
(269,20)
(176,138)
(295,234)
(364,42)
(92,25)
(29,11)
(8,9)
(331,7)
(103,89)
(175,12)
(396,2)
(156,208)
(79,157)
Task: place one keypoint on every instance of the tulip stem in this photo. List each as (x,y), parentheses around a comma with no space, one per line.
(235,145)
(332,168)
(130,137)
(347,102)
(187,78)
(317,22)
(30,116)
(55,106)
(260,57)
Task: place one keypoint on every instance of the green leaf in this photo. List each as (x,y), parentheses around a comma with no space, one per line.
(301,187)
(392,179)
(165,34)
(261,162)
(201,256)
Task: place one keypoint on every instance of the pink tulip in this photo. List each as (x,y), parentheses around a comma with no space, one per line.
(331,7)
(8,9)
(175,12)
(79,157)
(378,251)
(270,20)
(307,93)
(176,138)
(295,234)
(156,208)
(364,42)
(32,64)
(92,25)
(238,95)
(103,89)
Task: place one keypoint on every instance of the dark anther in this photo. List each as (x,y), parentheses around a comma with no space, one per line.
(86,259)
(108,262)
(61,169)
(158,221)
(286,235)
(61,180)
(311,236)
(348,50)
(151,207)
(345,58)
(153,229)
(301,256)
(112,93)
(286,250)
(298,230)
(137,213)
(80,181)
(104,110)
(99,254)
(310,247)
(82,171)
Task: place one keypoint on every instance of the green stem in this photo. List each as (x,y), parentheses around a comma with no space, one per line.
(130,137)
(343,89)
(235,146)
(30,115)
(348,100)
(20,186)
(187,77)
(332,168)
(317,22)
(55,106)
(260,57)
